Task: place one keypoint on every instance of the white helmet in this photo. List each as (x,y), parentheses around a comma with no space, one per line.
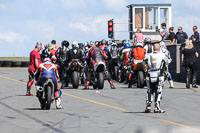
(139,44)
(75,44)
(114,44)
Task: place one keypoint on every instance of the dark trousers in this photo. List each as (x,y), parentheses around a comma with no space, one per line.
(190,72)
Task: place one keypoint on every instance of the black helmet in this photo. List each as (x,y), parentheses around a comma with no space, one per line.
(65,43)
(123,42)
(103,41)
(147,40)
(53,42)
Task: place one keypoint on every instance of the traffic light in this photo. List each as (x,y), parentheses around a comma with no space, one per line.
(110,29)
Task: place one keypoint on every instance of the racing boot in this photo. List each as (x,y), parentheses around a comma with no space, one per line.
(112,85)
(86,85)
(158,109)
(171,83)
(148,107)
(28,93)
(58,103)
(194,85)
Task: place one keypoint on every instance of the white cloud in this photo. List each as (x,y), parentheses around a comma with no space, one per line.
(73,4)
(2,6)
(78,26)
(192,4)
(11,37)
(115,5)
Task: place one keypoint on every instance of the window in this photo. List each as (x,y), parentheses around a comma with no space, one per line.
(164,16)
(151,18)
(139,18)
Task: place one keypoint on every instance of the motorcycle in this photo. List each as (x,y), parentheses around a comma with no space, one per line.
(138,72)
(97,77)
(45,93)
(74,69)
(114,68)
(123,73)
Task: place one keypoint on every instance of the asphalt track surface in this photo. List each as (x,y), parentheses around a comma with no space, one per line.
(92,111)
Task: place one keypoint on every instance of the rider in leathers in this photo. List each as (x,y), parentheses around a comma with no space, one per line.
(93,54)
(49,70)
(167,54)
(61,55)
(155,78)
(74,53)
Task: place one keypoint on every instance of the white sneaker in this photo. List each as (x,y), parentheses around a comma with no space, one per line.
(58,104)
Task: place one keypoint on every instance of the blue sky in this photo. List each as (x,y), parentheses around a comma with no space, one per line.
(25,22)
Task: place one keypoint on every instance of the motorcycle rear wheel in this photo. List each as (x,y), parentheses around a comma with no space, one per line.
(48,97)
(100,80)
(140,82)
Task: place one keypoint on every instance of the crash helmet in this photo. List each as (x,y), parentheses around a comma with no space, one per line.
(65,43)
(114,44)
(50,47)
(127,45)
(96,43)
(85,44)
(74,44)
(53,42)
(103,41)
(123,42)
(147,40)
(139,44)
(80,45)
(91,43)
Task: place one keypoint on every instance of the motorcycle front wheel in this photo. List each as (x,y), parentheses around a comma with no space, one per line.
(75,79)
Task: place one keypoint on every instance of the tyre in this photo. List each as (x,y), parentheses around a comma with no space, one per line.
(16,63)
(140,83)
(75,79)
(7,63)
(116,73)
(48,97)
(100,80)
(25,64)
(1,63)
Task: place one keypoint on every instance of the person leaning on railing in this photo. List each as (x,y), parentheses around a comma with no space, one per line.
(171,35)
(188,59)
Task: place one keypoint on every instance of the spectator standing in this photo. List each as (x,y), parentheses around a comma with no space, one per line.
(33,66)
(181,36)
(171,35)
(195,35)
(188,59)
(164,32)
(138,37)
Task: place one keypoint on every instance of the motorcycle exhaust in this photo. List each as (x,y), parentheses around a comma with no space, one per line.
(39,88)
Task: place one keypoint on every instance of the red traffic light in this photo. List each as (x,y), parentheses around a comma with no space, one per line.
(110,29)
(110,23)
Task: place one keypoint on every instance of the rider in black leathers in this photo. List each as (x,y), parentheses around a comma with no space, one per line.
(74,53)
(61,55)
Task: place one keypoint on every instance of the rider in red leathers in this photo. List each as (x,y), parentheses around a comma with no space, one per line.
(93,54)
